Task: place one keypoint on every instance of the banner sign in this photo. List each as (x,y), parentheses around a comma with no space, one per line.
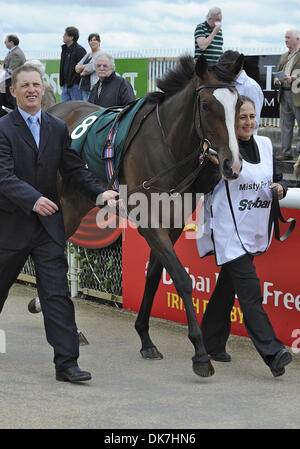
(134,70)
(261,68)
(278,271)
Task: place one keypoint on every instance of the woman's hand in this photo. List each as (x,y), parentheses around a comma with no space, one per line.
(279,188)
(79,68)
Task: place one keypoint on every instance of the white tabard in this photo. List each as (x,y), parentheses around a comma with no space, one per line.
(251,199)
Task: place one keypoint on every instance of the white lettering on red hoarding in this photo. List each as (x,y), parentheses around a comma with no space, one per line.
(174,301)
(271,296)
(199,283)
(278,298)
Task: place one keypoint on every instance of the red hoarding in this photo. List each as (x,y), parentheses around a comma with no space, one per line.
(278,270)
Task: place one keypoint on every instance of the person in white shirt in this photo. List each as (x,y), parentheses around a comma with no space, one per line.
(245,85)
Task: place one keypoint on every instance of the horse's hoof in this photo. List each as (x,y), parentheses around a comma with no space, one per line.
(151,353)
(203,369)
(34,306)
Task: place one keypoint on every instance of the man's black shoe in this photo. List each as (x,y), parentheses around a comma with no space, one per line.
(280,360)
(73,374)
(220,357)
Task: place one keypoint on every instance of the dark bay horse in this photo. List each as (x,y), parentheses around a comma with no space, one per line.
(196,108)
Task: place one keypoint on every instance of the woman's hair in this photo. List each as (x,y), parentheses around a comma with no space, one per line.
(246,100)
(95,35)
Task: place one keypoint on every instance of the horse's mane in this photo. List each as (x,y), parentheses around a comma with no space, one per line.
(177,79)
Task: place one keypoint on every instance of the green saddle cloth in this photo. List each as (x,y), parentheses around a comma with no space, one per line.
(90,136)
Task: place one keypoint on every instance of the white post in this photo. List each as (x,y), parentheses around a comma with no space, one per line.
(292,199)
(2,342)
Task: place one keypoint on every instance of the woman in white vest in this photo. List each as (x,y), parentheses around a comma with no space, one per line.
(236,228)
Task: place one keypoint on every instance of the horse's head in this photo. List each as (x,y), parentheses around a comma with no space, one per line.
(218,105)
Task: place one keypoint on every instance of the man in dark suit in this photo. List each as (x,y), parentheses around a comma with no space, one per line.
(111,89)
(31,221)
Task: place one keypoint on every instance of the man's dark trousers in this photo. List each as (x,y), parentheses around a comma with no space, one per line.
(51,275)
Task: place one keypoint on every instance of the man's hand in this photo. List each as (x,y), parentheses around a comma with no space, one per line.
(45,207)
(276,81)
(217,29)
(288,79)
(110,197)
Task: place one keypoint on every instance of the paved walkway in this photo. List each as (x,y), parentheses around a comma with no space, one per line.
(127,392)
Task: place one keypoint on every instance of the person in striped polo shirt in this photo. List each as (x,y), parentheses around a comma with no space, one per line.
(209,36)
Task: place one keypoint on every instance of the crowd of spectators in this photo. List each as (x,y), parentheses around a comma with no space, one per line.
(91,76)
(86,76)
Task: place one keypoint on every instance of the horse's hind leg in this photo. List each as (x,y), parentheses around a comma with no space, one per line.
(149,350)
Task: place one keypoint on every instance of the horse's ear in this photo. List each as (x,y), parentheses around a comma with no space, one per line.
(201,66)
(237,66)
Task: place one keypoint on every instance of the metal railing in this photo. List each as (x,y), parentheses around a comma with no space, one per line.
(150,52)
(91,272)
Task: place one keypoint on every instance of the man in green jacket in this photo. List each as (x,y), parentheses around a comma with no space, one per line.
(14,58)
(289,93)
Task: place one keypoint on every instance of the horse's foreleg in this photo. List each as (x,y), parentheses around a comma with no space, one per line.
(201,363)
(162,247)
(149,350)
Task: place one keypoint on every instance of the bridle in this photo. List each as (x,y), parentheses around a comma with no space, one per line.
(209,150)
(204,150)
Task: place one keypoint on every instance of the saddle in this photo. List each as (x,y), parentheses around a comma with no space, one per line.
(99,139)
